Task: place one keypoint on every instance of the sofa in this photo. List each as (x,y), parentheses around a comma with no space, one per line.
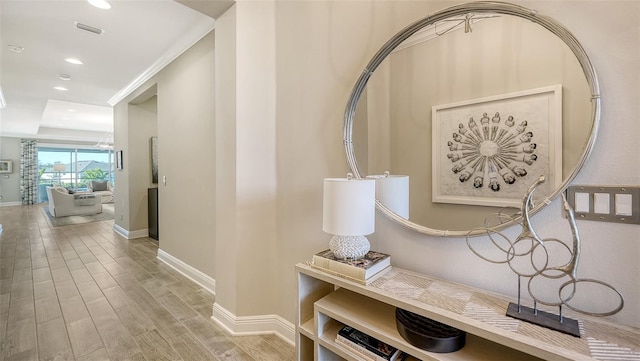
(62,203)
(102,190)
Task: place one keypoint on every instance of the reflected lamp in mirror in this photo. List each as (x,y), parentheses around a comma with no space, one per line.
(349,214)
(392,191)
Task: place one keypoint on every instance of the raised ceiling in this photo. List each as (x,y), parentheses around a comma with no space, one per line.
(139,38)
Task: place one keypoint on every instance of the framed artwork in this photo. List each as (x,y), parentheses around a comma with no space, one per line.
(119,164)
(154,160)
(6,166)
(488,151)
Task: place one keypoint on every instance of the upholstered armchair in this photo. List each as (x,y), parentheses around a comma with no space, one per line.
(61,203)
(102,190)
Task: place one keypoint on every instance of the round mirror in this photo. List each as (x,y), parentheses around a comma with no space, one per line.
(473,104)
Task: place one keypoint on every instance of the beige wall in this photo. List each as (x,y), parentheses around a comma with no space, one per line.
(186,156)
(322,47)
(246,131)
(182,116)
(143,124)
(10,183)
(283,73)
(121,176)
(225,264)
(135,122)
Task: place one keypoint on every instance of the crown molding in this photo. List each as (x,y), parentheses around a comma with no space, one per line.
(204,27)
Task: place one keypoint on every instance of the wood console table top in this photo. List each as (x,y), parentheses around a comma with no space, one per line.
(482,313)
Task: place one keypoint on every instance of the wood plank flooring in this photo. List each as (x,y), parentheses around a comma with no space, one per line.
(82,292)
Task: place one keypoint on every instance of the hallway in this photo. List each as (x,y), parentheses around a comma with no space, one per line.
(82,292)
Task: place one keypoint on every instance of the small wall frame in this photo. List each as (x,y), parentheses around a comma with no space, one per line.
(119,163)
(6,166)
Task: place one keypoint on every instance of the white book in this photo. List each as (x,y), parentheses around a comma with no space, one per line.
(361,269)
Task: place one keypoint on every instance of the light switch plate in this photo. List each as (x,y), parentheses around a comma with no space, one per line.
(619,204)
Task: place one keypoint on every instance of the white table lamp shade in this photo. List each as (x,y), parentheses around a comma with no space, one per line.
(59,167)
(393,192)
(349,206)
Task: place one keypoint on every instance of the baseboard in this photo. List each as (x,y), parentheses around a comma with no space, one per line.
(254,325)
(9,204)
(186,270)
(131,234)
(237,326)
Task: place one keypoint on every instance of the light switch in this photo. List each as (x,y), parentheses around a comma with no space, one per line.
(582,203)
(624,204)
(601,203)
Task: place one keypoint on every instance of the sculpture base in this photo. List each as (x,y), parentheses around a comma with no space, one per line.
(544,319)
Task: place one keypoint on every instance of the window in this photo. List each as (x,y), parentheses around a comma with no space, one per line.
(73,168)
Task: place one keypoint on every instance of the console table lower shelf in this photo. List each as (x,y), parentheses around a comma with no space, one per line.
(326,303)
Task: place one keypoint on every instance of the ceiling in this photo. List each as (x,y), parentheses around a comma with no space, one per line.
(140,37)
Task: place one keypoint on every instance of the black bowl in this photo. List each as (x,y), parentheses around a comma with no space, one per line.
(427,334)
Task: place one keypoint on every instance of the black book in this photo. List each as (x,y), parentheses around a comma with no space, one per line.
(379,348)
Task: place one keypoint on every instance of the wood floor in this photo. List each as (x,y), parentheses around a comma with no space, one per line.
(82,292)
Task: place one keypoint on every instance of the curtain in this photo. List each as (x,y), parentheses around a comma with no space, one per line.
(29,171)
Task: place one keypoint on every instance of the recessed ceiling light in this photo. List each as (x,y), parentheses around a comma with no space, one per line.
(71,110)
(60,88)
(101,4)
(73,61)
(64,76)
(16,48)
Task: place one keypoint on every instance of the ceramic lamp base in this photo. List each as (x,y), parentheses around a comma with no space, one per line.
(352,247)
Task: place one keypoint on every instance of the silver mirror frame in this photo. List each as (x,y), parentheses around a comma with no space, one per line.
(478,7)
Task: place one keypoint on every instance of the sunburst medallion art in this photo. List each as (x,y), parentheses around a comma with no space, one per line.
(493,151)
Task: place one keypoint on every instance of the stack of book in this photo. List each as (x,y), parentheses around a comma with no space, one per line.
(363,270)
(366,346)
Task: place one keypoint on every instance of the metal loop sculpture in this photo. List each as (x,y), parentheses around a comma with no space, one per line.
(528,256)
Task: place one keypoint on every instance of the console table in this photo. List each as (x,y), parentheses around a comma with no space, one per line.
(327,302)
